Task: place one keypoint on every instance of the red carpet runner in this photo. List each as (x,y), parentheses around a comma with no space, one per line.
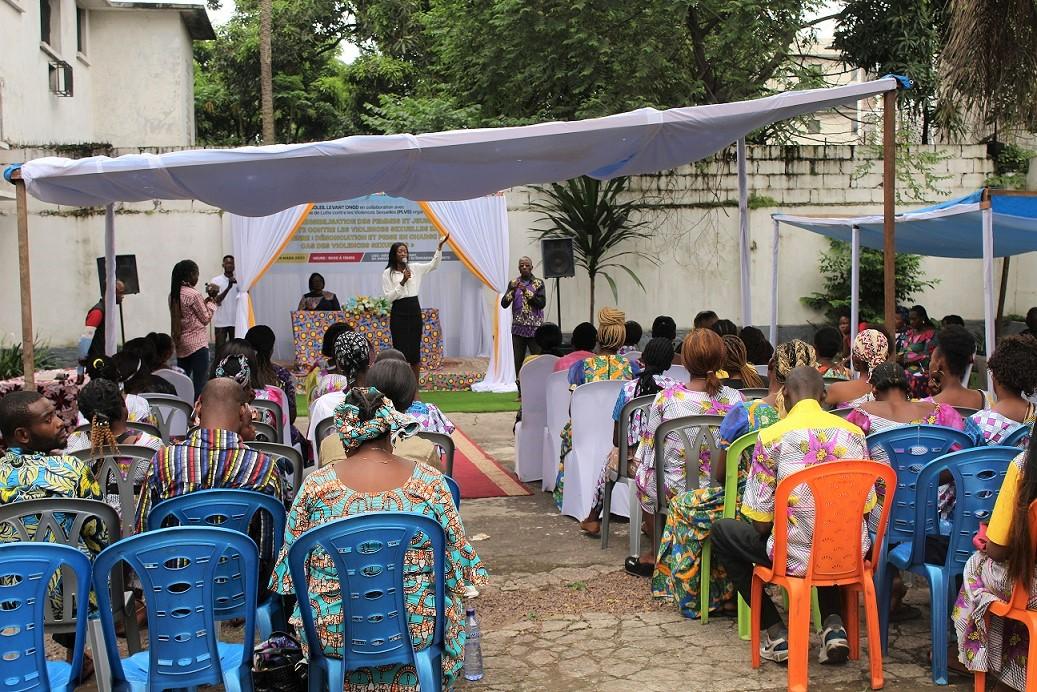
(479,474)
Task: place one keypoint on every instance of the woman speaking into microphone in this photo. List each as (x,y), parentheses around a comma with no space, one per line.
(401,282)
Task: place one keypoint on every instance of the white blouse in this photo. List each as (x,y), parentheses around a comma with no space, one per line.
(391,278)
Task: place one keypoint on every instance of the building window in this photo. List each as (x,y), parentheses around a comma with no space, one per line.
(50,23)
(81,29)
(814,126)
(45,21)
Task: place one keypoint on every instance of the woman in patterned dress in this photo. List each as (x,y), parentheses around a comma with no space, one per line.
(655,361)
(1013,372)
(238,361)
(372,479)
(919,342)
(870,349)
(996,645)
(607,365)
(955,349)
(325,378)
(702,353)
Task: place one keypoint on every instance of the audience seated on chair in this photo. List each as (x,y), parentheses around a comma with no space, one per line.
(101,403)
(665,327)
(655,361)
(758,350)
(214,455)
(955,349)
(395,379)
(352,359)
(703,355)
(916,349)
(119,371)
(990,574)
(1013,372)
(373,479)
(429,417)
(739,373)
(632,342)
(270,374)
(828,342)
(30,470)
(324,377)
(584,338)
(806,436)
(548,338)
(871,348)
(238,361)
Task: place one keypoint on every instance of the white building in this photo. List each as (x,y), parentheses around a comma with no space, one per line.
(105,72)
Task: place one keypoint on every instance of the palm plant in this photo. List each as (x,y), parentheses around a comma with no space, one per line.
(589,212)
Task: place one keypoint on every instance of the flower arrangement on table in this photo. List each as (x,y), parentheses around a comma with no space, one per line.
(366,305)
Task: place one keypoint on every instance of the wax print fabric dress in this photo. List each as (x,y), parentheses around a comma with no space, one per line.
(996,646)
(323,497)
(430,418)
(994,427)
(917,350)
(678,573)
(593,369)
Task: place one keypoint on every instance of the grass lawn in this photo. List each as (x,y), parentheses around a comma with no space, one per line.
(456,402)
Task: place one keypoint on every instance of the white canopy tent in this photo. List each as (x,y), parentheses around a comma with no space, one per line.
(985,224)
(462,164)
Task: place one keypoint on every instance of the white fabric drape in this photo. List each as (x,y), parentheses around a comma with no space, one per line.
(479,235)
(256,244)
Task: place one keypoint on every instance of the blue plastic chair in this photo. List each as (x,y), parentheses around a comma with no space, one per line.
(455,491)
(24,580)
(233,509)
(908,450)
(978,474)
(1020,437)
(178,569)
(367,551)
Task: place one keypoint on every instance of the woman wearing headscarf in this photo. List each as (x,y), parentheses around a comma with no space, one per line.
(370,478)
(606,365)
(352,359)
(238,361)
(677,575)
(324,378)
(870,350)
(702,353)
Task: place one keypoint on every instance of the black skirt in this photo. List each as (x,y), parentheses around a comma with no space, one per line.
(405,326)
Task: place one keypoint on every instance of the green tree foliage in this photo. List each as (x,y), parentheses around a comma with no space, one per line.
(835,273)
(590,213)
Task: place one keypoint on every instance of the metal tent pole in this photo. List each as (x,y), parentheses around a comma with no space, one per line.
(855,283)
(988,276)
(743,234)
(774,283)
(111,336)
(889,247)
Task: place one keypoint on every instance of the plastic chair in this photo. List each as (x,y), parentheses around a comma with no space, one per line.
(591,413)
(640,403)
(236,510)
(112,475)
(455,491)
(908,450)
(178,568)
(1016,608)
(367,551)
(276,413)
(138,426)
(978,474)
(172,413)
(840,490)
(746,442)
(1020,437)
(691,433)
(558,399)
(290,454)
(181,383)
(529,432)
(265,432)
(324,428)
(750,393)
(446,448)
(24,582)
(678,373)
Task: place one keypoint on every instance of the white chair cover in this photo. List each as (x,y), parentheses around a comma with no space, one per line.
(591,412)
(529,434)
(679,373)
(181,383)
(557,395)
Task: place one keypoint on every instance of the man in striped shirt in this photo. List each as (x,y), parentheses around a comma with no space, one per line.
(214,456)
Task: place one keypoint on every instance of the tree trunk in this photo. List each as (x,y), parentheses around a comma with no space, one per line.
(266,78)
(591,319)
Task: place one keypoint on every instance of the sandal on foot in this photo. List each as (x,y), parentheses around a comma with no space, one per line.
(634,566)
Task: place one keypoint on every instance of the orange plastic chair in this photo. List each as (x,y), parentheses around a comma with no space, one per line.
(1016,609)
(840,491)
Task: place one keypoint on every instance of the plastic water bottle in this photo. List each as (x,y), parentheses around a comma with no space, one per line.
(472,647)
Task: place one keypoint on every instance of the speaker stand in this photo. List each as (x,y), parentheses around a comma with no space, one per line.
(558,297)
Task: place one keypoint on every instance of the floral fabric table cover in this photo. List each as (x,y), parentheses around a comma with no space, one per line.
(308,329)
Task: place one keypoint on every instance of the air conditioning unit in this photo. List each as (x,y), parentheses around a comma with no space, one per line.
(60,78)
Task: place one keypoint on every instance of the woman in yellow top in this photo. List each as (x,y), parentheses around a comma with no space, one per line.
(1000,646)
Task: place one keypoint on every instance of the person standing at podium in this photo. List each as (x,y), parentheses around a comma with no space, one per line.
(401,282)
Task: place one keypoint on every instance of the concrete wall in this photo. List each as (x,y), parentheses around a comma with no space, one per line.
(695,243)
(133,84)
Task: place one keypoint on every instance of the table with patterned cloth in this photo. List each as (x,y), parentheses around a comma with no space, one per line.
(57,385)
(308,327)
